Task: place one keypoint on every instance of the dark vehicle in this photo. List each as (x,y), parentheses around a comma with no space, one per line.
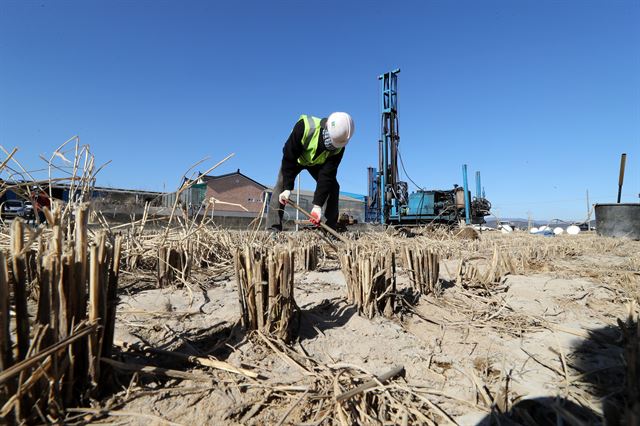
(12,209)
(29,213)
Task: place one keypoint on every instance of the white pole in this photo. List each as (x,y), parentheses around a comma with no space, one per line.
(298,201)
(588,212)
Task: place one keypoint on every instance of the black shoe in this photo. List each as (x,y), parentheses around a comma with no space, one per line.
(273,232)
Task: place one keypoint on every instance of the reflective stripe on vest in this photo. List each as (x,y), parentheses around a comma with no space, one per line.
(310,140)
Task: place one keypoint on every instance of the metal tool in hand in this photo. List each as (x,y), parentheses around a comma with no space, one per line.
(324,226)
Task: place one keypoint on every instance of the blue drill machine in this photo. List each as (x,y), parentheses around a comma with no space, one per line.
(389,202)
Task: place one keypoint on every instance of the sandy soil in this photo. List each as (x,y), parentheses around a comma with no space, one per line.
(522,339)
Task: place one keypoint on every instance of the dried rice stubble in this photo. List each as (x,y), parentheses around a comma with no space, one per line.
(371,279)
(265,279)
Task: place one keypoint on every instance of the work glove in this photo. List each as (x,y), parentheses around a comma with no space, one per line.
(316,215)
(284,196)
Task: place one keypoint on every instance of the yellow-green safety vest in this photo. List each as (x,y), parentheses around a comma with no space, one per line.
(310,140)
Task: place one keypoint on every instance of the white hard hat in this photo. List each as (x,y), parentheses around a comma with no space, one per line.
(340,127)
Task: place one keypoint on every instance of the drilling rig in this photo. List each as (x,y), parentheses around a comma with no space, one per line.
(389,201)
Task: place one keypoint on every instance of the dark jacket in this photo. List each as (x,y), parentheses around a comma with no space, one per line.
(324,174)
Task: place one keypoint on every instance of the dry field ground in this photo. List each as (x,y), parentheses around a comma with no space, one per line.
(519,329)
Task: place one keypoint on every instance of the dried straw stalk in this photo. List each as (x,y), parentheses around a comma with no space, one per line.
(307,257)
(371,279)
(423,267)
(471,274)
(265,290)
(631,333)
(65,271)
(173,263)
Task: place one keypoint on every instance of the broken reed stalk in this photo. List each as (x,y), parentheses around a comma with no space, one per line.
(371,279)
(381,379)
(471,275)
(57,358)
(19,265)
(173,263)
(631,333)
(265,290)
(203,361)
(423,267)
(307,257)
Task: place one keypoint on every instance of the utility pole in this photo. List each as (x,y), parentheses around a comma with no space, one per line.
(588,212)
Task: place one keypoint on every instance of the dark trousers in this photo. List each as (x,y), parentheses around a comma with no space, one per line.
(276,210)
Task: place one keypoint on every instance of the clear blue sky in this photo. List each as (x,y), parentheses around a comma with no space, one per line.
(541,96)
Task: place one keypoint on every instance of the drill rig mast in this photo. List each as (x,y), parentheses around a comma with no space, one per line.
(394,192)
(389,201)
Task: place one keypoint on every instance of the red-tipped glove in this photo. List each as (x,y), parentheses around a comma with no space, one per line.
(316,215)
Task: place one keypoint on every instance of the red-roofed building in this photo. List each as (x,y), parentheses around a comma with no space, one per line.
(234,192)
